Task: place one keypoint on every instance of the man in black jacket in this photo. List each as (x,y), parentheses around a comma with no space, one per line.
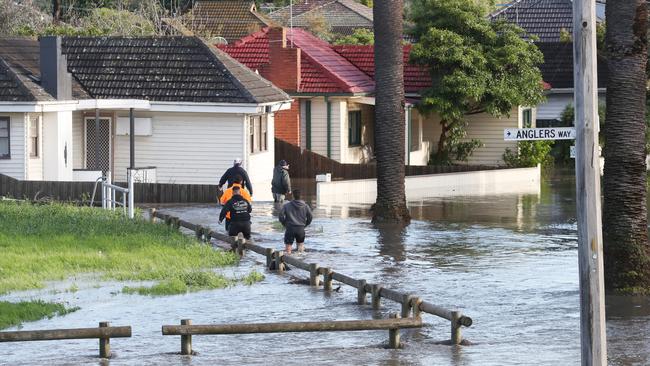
(295,215)
(281,183)
(232,172)
(240,214)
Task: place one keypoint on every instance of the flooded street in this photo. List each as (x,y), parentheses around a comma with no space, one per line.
(509,262)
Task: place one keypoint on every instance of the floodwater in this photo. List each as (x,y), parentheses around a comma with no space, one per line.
(509,262)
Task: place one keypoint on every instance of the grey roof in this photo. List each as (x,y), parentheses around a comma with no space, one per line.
(557,69)
(173,69)
(18,59)
(542,18)
(343,16)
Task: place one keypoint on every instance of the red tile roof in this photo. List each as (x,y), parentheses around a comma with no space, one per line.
(323,69)
(416,77)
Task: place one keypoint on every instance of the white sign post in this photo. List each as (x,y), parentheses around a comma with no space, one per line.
(529,134)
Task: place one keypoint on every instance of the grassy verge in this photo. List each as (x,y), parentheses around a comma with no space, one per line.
(190,282)
(15,313)
(53,242)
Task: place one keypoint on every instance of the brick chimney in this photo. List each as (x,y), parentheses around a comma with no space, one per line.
(284,62)
(55,78)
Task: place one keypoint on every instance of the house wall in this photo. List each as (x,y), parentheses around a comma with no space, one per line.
(481,126)
(288,124)
(15,166)
(58,146)
(362,153)
(319,126)
(78,140)
(34,164)
(259,166)
(554,105)
(421,155)
(185,148)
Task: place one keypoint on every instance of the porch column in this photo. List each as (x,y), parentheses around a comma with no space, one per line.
(131,139)
(96,152)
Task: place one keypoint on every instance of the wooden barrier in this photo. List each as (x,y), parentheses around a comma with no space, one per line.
(411,304)
(104,333)
(394,324)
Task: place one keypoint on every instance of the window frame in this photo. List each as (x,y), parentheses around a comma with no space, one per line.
(258,130)
(34,145)
(6,156)
(527,118)
(359,129)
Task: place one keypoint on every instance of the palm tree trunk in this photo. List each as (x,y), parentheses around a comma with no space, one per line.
(389,113)
(625,228)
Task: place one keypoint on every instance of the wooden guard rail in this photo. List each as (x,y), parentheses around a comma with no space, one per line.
(186,330)
(412,305)
(105,332)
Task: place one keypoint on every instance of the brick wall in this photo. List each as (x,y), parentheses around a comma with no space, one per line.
(283,69)
(287,124)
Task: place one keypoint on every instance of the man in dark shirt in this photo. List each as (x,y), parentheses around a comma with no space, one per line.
(240,214)
(295,215)
(232,172)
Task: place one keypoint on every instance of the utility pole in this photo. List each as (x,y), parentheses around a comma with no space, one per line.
(590,237)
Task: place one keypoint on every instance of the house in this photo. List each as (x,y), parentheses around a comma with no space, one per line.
(229,20)
(342,16)
(551,22)
(66,105)
(333,91)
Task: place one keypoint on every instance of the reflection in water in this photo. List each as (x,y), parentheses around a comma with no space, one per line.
(391,241)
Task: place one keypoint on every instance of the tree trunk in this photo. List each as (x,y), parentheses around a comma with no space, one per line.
(389,113)
(443,140)
(56,10)
(627,253)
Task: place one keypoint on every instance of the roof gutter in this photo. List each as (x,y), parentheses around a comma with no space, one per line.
(38,107)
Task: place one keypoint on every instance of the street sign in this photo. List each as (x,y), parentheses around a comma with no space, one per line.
(527,134)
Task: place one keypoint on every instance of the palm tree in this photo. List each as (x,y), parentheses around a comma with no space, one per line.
(389,113)
(627,253)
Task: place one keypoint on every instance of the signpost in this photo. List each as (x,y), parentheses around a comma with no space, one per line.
(590,238)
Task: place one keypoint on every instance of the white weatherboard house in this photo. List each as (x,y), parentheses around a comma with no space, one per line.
(66,105)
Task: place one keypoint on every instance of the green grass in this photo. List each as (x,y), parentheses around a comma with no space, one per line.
(53,242)
(12,314)
(191,282)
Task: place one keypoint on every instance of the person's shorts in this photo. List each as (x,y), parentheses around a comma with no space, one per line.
(296,233)
(237,227)
(278,197)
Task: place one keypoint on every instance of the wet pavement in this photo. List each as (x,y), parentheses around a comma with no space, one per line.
(509,262)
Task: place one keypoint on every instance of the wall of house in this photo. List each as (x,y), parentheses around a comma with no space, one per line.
(15,166)
(481,126)
(418,156)
(319,126)
(78,140)
(288,124)
(58,146)
(34,164)
(259,165)
(554,105)
(185,148)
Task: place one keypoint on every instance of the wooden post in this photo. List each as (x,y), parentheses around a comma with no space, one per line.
(269,257)
(407,301)
(361,292)
(279,265)
(456,336)
(417,312)
(198,232)
(186,340)
(590,239)
(393,335)
(376,299)
(152,215)
(314,278)
(104,343)
(327,279)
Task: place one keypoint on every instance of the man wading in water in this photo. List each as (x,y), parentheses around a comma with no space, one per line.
(240,214)
(236,171)
(295,215)
(229,193)
(281,183)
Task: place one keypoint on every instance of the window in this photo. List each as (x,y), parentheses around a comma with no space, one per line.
(354,128)
(527,118)
(5,152)
(258,133)
(34,136)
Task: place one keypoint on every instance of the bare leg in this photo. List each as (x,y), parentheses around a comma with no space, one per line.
(301,247)
(287,248)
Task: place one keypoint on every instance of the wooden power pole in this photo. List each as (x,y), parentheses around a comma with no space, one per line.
(56,10)
(590,237)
